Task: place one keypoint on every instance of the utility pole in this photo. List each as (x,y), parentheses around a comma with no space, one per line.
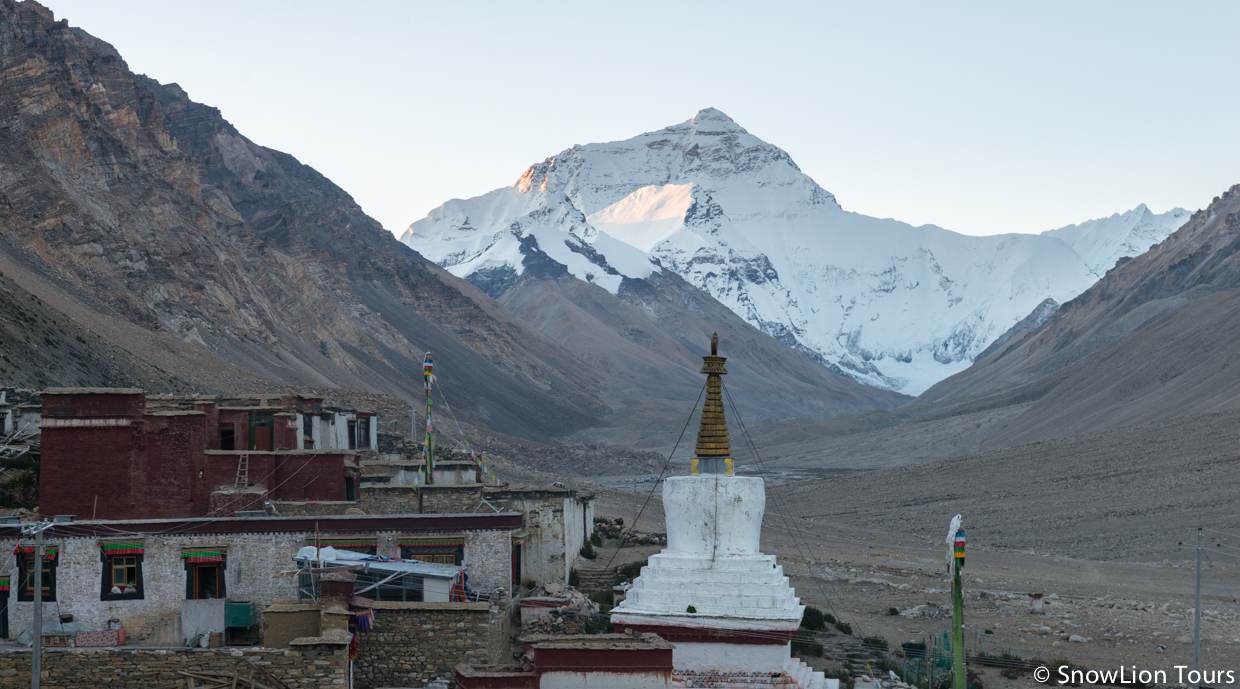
(1197,615)
(36,660)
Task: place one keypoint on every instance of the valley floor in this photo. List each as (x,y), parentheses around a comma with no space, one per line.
(1105,522)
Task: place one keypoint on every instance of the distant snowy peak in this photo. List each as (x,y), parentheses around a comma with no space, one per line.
(709,149)
(1100,243)
(884,302)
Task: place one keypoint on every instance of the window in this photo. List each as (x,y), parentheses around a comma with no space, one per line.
(405,587)
(204,573)
(307,431)
(122,577)
(26,572)
(445,552)
(204,580)
(352,435)
(228,437)
(363,432)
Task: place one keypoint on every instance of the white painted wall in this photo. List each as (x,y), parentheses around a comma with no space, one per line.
(714,515)
(602,680)
(731,657)
(252,563)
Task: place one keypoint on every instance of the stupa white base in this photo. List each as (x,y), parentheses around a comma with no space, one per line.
(744,612)
(724,657)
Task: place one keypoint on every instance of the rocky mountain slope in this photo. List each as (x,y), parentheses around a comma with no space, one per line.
(124,199)
(193,259)
(885,303)
(1155,338)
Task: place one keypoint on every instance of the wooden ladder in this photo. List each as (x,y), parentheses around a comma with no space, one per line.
(243,471)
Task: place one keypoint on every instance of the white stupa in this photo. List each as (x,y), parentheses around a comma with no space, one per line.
(726,607)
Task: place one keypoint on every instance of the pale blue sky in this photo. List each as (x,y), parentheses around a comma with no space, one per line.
(979,117)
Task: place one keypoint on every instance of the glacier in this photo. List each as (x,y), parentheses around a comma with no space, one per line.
(881,301)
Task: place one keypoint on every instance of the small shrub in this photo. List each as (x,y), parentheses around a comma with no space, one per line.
(598,624)
(828,618)
(804,645)
(844,627)
(529,584)
(877,643)
(813,619)
(689,609)
(893,612)
(574,579)
(597,520)
(630,570)
(603,599)
(587,551)
(595,540)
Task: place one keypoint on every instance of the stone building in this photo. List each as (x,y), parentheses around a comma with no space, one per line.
(19,411)
(165,579)
(113,453)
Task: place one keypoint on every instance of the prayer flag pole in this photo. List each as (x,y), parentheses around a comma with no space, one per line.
(428,444)
(955,561)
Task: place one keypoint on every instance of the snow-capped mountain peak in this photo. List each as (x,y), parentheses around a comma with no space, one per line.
(886,303)
(1102,242)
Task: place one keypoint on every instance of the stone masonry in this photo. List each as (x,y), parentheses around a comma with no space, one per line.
(126,668)
(413,642)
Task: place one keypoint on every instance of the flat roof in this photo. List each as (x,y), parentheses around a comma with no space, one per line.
(93,391)
(503,521)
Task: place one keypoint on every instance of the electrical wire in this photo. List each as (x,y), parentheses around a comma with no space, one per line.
(662,471)
(753,448)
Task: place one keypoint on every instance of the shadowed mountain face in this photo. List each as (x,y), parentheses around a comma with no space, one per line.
(1158,336)
(123,196)
(209,263)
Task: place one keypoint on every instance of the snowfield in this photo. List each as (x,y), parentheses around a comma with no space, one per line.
(886,303)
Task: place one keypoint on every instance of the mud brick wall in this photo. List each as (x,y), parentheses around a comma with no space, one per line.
(413,642)
(137,669)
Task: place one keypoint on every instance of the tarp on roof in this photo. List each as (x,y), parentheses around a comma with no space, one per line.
(377,563)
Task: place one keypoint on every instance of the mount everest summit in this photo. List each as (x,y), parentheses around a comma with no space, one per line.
(886,303)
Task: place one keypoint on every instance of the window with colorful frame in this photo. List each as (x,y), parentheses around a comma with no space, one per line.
(25,572)
(444,551)
(367,546)
(122,570)
(204,572)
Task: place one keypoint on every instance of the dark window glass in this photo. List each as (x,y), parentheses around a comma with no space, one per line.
(228,440)
(122,578)
(26,592)
(204,580)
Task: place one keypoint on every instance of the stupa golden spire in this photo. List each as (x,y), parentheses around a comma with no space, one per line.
(713,454)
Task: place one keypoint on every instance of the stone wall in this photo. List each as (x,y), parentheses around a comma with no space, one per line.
(488,559)
(130,668)
(558,522)
(381,499)
(253,560)
(413,642)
